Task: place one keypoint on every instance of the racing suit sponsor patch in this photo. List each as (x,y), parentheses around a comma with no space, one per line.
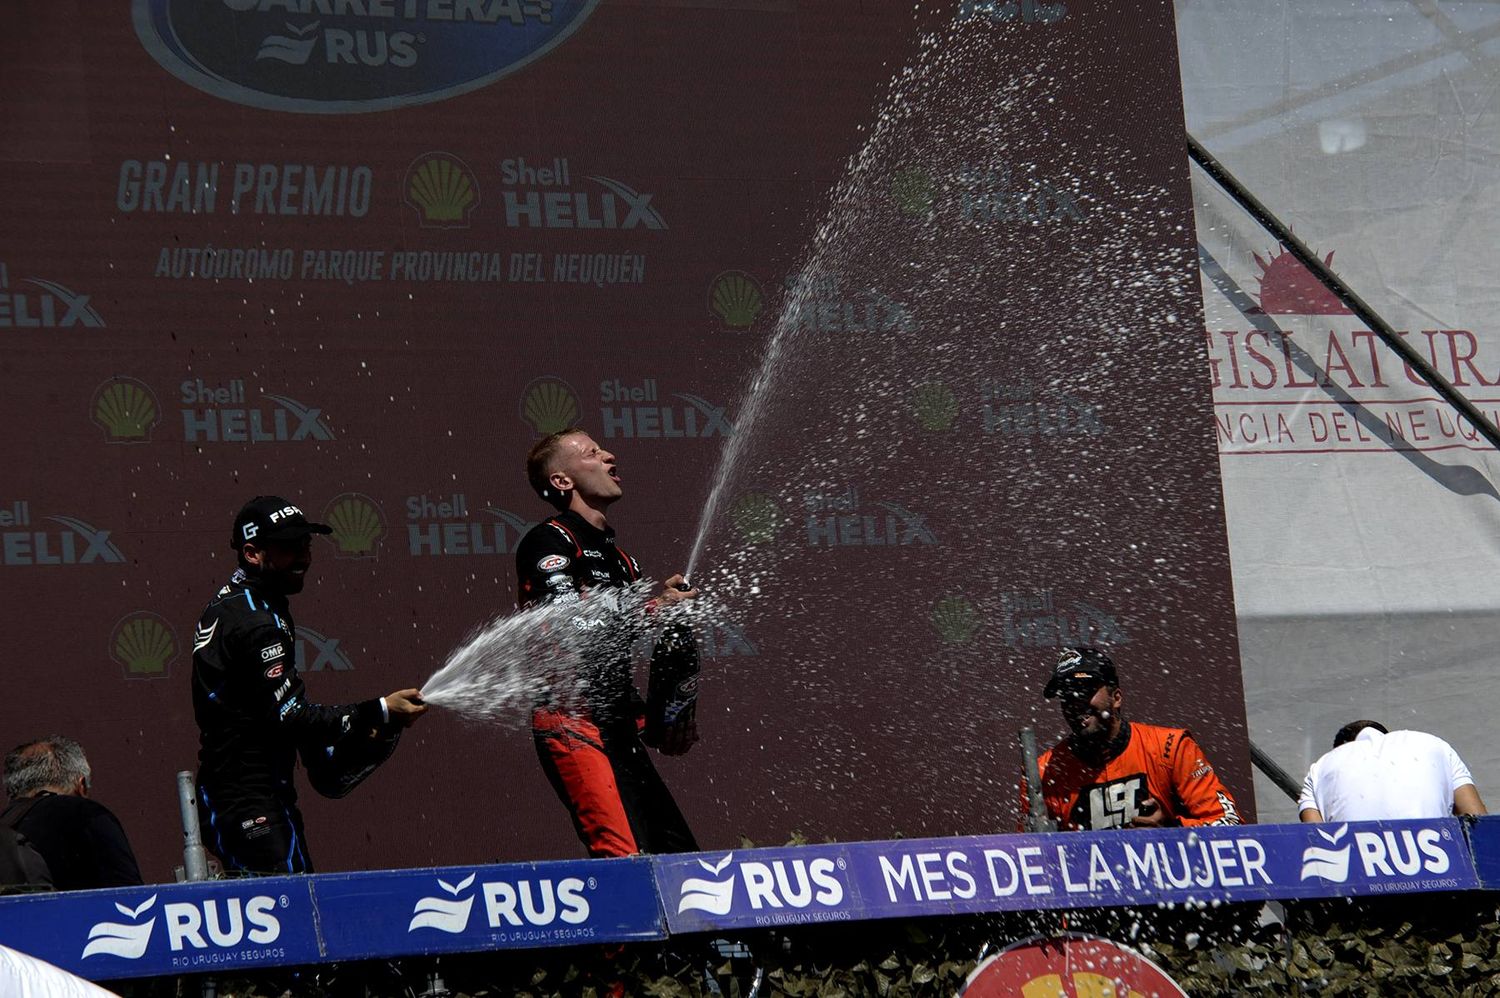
(553,563)
(275,670)
(272,651)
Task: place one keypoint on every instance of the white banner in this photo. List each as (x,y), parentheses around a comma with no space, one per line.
(1364,518)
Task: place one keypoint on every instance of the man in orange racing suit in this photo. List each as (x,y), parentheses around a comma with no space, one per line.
(1115,773)
(591,747)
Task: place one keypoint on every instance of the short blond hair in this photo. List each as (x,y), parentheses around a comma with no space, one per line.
(539,459)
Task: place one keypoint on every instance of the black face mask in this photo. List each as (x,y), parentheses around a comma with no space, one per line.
(284,581)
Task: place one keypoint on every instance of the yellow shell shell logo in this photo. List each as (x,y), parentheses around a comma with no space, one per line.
(913,190)
(756,518)
(934,405)
(736,298)
(1086,984)
(357,522)
(954,619)
(126,409)
(549,405)
(441,189)
(144,643)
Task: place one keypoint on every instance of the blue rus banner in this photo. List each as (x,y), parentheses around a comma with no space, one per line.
(866,880)
(1484,846)
(459,909)
(158,929)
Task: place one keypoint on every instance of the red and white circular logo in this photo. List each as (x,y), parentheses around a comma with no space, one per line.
(1069,966)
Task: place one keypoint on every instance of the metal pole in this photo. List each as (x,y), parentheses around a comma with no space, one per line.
(1038,820)
(1345,294)
(194,860)
(1275,773)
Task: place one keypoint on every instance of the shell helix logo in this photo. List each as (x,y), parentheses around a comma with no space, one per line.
(144,644)
(519,904)
(736,298)
(317,652)
(774,886)
(126,410)
(40,304)
(549,404)
(1388,854)
(358,525)
(442,190)
(215,923)
(839,519)
(76,543)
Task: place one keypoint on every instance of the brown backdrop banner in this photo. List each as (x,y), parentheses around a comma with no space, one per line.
(362,252)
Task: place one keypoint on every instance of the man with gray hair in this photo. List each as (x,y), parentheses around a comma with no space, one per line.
(48,783)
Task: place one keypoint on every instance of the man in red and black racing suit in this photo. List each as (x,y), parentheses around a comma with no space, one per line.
(590,744)
(1115,773)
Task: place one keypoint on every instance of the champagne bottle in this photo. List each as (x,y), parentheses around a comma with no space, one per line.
(672,691)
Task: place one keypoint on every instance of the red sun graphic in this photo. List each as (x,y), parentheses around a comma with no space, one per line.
(1288,288)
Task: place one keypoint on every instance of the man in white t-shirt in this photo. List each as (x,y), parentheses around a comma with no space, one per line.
(1374,774)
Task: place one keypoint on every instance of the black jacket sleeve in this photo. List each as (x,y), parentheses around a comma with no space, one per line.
(272,690)
(546,566)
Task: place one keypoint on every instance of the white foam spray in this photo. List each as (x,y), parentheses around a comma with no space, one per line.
(551,650)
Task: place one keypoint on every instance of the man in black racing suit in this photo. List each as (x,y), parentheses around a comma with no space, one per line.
(591,749)
(253,715)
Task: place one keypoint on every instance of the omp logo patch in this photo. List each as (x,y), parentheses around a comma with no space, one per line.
(445,914)
(270,651)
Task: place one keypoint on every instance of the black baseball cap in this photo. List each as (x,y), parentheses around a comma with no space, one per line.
(1081,668)
(272,518)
